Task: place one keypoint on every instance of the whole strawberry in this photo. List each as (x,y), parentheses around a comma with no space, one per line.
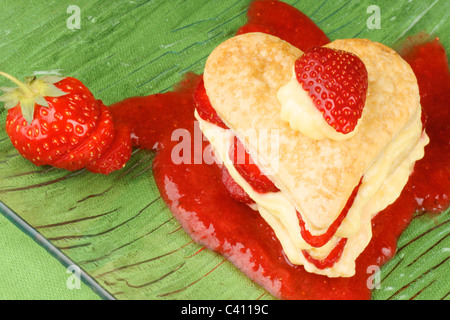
(57,121)
(337,82)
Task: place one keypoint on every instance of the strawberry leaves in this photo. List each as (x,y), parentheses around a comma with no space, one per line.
(32,92)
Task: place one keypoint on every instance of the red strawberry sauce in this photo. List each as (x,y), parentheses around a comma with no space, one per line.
(199,200)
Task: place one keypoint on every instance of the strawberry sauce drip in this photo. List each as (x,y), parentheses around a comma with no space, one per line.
(430,65)
(200,201)
(283,21)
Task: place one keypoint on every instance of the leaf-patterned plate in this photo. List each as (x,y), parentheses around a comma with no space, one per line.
(117,229)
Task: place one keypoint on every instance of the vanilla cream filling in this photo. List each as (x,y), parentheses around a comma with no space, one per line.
(382,183)
(299,110)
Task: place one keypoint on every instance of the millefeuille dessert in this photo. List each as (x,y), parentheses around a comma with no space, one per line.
(330,138)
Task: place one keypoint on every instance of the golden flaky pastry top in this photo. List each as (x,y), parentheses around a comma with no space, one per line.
(242,77)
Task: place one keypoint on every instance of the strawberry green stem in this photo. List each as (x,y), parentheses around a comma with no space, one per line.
(21,85)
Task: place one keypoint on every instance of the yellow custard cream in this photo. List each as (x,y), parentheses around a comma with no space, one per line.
(298,109)
(382,183)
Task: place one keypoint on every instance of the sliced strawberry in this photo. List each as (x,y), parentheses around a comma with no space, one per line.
(235,190)
(320,240)
(244,164)
(204,107)
(117,155)
(337,83)
(93,146)
(333,257)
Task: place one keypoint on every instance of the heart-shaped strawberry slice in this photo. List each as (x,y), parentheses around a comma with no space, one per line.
(336,81)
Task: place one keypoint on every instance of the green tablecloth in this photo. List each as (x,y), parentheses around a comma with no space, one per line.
(28,271)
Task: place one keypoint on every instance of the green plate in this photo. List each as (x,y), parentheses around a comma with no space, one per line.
(117,229)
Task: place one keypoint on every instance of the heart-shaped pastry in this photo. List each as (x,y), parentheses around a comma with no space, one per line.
(315,178)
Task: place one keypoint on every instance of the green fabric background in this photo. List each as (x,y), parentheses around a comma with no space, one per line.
(130,48)
(28,271)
